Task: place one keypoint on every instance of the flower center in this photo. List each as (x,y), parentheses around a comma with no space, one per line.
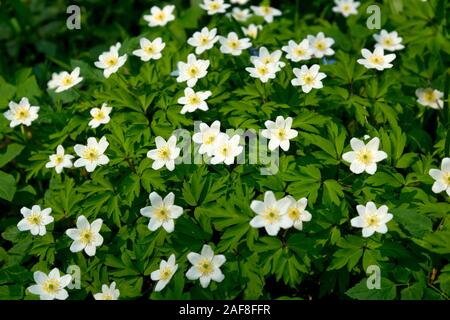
(308,79)
(112,61)
(294,213)
(194,99)
(346,7)
(107,296)
(162,214)
(299,52)
(150,49)
(205,267)
(430,96)
(364,156)
(376,59)
(100,115)
(214,6)
(193,71)
(446,178)
(160,16)
(34,218)
(59,159)
(234,44)
(225,150)
(263,70)
(281,133)
(164,153)
(388,41)
(86,236)
(22,113)
(272,215)
(91,154)
(372,221)
(320,45)
(204,40)
(165,273)
(209,139)
(266,10)
(67,81)
(51,286)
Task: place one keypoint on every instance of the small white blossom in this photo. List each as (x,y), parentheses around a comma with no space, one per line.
(377,59)
(262,71)
(100,116)
(194,100)
(321,45)
(51,286)
(346,7)
(64,80)
(371,219)
(271,214)
(240,15)
(297,212)
(267,12)
(240,2)
(226,149)
(108,293)
(165,272)
(91,155)
(208,137)
(162,213)
(86,236)
(150,50)
(160,17)
(298,52)
(308,78)
(430,97)
(21,113)
(203,40)
(441,177)
(110,61)
(252,30)
(269,58)
(205,266)
(192,70)
(279,133)
(388,40)
(60,160)
(214,6)
(364,157)
(233,45)
(35,220)
(165,153)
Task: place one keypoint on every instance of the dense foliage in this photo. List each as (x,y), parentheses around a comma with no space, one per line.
(329,257)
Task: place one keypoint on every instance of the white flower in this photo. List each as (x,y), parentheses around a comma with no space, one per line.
(297,213)
(91,155)
(205,266)
(53,83)
(233,45)
(160,17)
(226,149)
(64,80)
(346,7)
(214,6)
(430,97)
(110,61)
(100,116)
(150,49)
(86,236)
(388,40)
(192,70)
(308,78)
(194,100)
(165,153)
(364,157)
(279,133)
(377,59)
(108,293)
(269,58)
(51,286)
(60,160)
(442,177)
(262,71)
(165,272)
(162,212)
(252,30)
(21,113)
(297,52)
(321,45)
(240,2)
(35,220)
(208,137)
(271,214)
(371,219)
(267,12)
(203,40)
(241,15)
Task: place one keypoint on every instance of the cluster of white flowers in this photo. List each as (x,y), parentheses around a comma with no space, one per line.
(346,7)
(266,64)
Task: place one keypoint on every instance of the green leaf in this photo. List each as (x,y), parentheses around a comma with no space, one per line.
(7,186)
(387,291)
